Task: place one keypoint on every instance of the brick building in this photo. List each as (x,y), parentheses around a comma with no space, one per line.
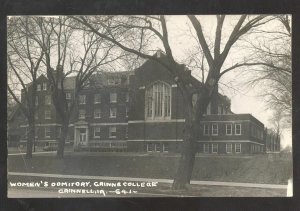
(142,110)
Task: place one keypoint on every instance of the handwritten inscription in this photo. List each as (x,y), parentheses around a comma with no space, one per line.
(88,187)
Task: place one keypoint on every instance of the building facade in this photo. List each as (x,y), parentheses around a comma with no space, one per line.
(142,110)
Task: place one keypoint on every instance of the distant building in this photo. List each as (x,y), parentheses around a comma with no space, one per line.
(142,110)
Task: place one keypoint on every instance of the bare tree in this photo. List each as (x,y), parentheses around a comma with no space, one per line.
(147,27)
(24,62)
(70,52)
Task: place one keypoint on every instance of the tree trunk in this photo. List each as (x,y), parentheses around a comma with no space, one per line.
(62,140)
(30,138)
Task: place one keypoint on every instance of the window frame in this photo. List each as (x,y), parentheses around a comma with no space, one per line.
(127,97)
(227,151)
(235,129)
(36,100)
(111,112)
(80,114)
(149,144)
(109,132)
(82,99)
(206,146)
(229,134)
(205,129)
(97,111)
(165,147)
(158,99)
(97,100)
(68,96)
(212,148)
(95,131)
(111,100)
(46,135)
(48,100)
(47,114)
(212,129)
(240,151)
(38,87)
(44,86)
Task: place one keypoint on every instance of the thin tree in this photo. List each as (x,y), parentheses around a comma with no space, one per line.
(24,62)
(196,98)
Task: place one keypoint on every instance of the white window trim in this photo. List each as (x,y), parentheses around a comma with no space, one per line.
(164,148)
(110,97)
(68,96)
(109,130)
(212,129)
(97,131)
(79,114)
(48,99)
(205,151)
(227,151)
(235,129)
(148,147)
(82,97)
(95,112)
(163,116)
(229,134)
(46,132)
(45,86)
(38,87)
(110,113)
(47,116)
(206,126)
(212,148)
(96,99)
(240,148)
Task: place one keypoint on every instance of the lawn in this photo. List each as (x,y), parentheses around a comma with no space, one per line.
(254,169)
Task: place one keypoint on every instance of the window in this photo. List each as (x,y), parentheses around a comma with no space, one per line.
(97,98)
(113,112)
(36,115)
(113,97)
(208,109)
(214,148)
(81,114)
(126,132)
(112,132)
(220,109)
(149,147)
(48,100)
(38,87)
(238,148)
(228,148)
(47,114)
(44,86)
(58,132)
(214,130)
(36,100)
(228,129)
(81,99)
(206,148)
(126,112)
(238,129)
(127,97)
(97,132)
(97,114)
(206,130)
(165,147)
(47,132)
(68,96)
(158,101)
(157,147)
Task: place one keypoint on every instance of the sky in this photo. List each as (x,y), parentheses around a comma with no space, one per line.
(244,100)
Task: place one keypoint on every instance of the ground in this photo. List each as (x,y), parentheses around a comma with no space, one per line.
(263,169)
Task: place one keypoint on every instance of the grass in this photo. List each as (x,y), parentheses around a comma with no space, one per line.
(256,169)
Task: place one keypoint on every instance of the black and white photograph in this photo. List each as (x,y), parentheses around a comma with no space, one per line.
(149,106)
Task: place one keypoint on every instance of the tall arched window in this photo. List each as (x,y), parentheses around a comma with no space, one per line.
(158,101)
